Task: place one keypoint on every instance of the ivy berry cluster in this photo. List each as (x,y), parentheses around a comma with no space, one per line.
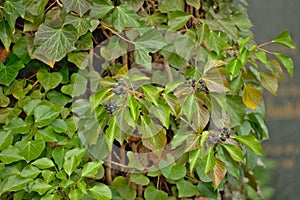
(110,106)
(225,133)
(200,84)
(118,88)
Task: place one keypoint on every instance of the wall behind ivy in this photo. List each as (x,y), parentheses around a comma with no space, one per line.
(283,112)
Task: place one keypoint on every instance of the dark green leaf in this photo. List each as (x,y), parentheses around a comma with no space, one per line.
(54,44)
(151,193)
(20,49)
(58,155)
(5,34)
(17,125)
(72,159)
(14,7)
(81,24)
(285,39)
(10,71)
(78,6)
(49,80)
(166,6)
(251,142)
(195,3)
(80,59)
(216,40)
(162,112)
(207,190)
(58,98)
(189,107)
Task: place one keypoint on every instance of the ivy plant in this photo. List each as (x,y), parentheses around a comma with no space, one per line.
(154,99)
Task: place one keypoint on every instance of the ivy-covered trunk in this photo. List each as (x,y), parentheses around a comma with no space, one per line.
(140,99)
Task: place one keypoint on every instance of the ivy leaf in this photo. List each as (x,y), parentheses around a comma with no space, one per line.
(216,40)
(112,132)
(101,8)
(14,183)
(101,191)
(234,151)
(133,162)
(218,173)
(285,39)
(35,8)
(139,179)
(40,186)
(72,159)
(77,87)
(14,7)
(121,185)
(54,44)
(151,40)
(31,150)
(252,97)
(134,107)
(30,172)
(287,62)
(194,159)
(82,25)
(209,161)
(151,93)
(269,82)
(5,34)
(251,142)
(17,125)
(166,6)
(142,57)
(189,107)
(151,193)
(75,194)
(11,70)
(43,163)
(49,80)
(123,17)
(44,115)
(10,154)
(234,66)
(6,139)
(186,189)
(90,169)
(162,112)
(172,171)
(78,6)
(80,59)
(115,48)
(184,47)
(178,19)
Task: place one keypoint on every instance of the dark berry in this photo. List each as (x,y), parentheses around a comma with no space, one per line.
(193,84)
(193,81)
(187,78)
(223,138)
(201,82)
(203,89)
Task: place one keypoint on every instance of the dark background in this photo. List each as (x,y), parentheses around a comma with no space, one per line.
(270,18)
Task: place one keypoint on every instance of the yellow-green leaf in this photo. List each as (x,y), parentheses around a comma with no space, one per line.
(252,97)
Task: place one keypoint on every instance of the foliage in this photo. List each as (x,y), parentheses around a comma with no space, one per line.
(133,99)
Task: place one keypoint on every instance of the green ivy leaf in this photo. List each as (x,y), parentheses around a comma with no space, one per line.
(31,150)
(172,171)
(14,7)
(287,62)
(112,132)
(194,159)
(20,49)
(234,66)
(90,169)
(54,44)
(151,193)
(15,183)
(5,34)
(10,154)
(75,194)
(85,42)
(139,179)
(207,190)
(77,87)
(80,59)
(72,159)
(178,19)
(121,185)
(123,17)
(44,115)
(10,71)
(58,98)
(115,48)
(251,142)
(17,125)
(6,139)
(101,191)
(60,126)
(285,39)
(151,93)
(234,151)
(81,24)
(78,6)
(216,40)
(162,112)
(30,172)
(186,189)
(134,107)
(39,186)
(209,161)
(133,162)
(189,107)
(49,80)
(43,163)
(101,8)
(142,57)
(58,155)
(35,8)
(166,6)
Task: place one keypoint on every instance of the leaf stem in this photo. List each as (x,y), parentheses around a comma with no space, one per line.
(264,44)
(114,32)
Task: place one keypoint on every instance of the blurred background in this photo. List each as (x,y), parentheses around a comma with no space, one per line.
(270,18)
